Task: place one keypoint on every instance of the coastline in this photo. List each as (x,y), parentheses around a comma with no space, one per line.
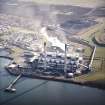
(66,80)
(54,78)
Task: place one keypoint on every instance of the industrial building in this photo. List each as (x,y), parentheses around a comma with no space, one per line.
(58,63)
(53,61)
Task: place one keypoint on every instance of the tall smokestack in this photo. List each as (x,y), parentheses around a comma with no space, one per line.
(45,56)
(65,59)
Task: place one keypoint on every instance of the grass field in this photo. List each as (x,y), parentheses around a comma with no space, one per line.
(98,73)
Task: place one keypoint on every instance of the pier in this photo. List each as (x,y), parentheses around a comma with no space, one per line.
(7,57)
(10,88)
